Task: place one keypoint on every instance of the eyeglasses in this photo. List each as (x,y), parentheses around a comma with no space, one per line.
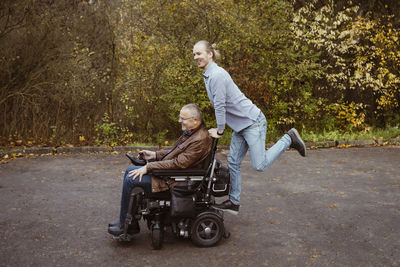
(184,119)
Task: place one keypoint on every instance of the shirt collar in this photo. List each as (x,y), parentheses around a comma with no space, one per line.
(207,73)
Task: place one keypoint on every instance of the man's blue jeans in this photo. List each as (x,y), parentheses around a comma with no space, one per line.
(252,138)
(127,187)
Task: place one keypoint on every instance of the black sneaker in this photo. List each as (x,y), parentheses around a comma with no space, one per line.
(227,206)
(297,142)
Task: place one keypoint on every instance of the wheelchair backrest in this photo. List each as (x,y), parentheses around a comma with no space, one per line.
(209,159)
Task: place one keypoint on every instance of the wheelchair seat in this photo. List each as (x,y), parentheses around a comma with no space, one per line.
(190,173)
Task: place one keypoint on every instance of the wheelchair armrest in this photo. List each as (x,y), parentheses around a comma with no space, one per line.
(180,172)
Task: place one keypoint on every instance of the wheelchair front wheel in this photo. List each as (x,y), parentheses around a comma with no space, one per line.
(207,230)
(157,236)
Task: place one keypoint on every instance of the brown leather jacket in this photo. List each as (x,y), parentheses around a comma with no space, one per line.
(187,152)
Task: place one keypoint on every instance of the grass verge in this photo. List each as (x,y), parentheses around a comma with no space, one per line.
(367,134)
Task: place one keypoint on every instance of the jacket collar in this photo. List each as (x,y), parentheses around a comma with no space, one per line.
(188,133)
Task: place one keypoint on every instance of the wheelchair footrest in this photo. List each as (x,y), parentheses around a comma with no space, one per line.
(124,238)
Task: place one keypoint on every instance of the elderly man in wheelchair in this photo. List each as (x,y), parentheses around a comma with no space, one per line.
(176,188)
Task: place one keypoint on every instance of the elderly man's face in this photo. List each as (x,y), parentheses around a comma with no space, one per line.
(186,120)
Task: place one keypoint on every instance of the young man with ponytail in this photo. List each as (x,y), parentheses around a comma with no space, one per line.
(247,121)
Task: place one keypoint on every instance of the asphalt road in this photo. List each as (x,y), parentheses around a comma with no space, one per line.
(337,207)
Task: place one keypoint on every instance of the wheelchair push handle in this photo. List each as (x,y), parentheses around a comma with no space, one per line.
(214,143)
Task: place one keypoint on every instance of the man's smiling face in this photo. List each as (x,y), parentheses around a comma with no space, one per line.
(201,56)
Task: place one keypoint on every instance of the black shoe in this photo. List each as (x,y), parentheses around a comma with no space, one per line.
(136,161)
(297,142)
(227,206)
(118,230)
(111,224)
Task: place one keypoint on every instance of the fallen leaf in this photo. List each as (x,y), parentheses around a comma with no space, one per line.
(332,206)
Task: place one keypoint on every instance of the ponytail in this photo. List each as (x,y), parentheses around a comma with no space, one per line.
(215,51)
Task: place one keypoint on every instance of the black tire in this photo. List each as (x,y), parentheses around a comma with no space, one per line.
(207,230)
(157,236)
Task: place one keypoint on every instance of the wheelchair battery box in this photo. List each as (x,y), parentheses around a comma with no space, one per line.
(182,203)
(222,181)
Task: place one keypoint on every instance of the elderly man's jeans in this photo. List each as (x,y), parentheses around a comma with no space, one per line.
(252,138)
(127,187)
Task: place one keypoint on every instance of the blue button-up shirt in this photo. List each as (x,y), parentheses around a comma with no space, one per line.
(231,106)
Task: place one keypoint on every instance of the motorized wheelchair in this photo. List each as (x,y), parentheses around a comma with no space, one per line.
(186,207)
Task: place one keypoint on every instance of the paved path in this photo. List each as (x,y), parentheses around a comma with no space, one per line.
(337,207)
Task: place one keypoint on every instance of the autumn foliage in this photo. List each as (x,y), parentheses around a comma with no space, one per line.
(117,72)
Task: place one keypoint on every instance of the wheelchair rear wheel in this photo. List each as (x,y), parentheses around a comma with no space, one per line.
(157,236)
(207,230)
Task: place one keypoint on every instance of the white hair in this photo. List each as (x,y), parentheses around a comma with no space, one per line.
(194,110)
